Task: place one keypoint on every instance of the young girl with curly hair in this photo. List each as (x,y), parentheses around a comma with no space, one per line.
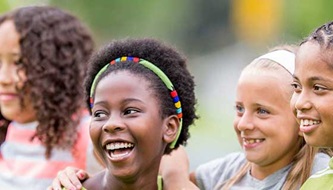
(44,125)
(142,103)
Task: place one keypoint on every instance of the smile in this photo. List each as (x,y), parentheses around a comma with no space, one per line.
(119,149)
(8,96)
(252,141)
(309,122)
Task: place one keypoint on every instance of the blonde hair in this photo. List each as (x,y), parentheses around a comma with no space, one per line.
(303,161)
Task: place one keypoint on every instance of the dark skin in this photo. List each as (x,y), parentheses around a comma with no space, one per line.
(135,116)
(130,116)
(177,178)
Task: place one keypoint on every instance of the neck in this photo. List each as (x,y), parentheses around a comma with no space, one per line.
(138,182)
(261,172)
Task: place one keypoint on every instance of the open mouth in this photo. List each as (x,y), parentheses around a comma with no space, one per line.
(309,122)
(119,149)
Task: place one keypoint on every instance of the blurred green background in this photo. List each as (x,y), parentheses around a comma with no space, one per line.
(219,38)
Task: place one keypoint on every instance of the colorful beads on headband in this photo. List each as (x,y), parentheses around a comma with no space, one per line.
(176,100)
(159,73)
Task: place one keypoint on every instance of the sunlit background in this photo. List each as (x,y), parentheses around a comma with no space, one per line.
(219,38)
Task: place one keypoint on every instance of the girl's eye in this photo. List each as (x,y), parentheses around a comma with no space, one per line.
(99,114)
(239,109)
(130,111)
(318,88)
(262,111)
(296,86)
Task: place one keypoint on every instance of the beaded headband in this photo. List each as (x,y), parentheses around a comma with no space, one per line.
(283,57)
(159,73)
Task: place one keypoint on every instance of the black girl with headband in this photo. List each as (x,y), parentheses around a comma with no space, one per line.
(142,102)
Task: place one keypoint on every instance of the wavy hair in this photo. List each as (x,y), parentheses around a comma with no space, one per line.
(55,47)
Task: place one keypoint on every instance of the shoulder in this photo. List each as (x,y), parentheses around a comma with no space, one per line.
(230,160)
(320,162)
(321,180)
(210,174)
(95,181)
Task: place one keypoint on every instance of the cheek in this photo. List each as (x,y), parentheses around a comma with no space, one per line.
(238,132)
(293,104)
(235,123)
(291,129)
(94,133)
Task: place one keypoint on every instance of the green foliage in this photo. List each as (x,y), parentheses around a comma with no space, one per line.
(302,17)
(124,18)
(4,6)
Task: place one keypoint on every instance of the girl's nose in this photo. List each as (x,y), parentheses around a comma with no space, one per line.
(245,122)
(8,72)
(5,74)
(302,101)
(114,124)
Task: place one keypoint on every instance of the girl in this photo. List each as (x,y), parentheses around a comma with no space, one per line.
(275,155)
(43,54)
(313,97)
(142,102)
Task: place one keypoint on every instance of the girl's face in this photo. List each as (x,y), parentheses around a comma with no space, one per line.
(11,78)
(264,123)
(127,128)
(313,95)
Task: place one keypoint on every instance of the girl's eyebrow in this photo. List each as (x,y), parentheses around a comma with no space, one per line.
(316,78)
(128,100)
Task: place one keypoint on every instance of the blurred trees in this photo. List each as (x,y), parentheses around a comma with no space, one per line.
(197,26)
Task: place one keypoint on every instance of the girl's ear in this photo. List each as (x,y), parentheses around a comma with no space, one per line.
(171,126)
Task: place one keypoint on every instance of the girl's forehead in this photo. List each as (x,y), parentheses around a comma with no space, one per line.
(120,79)
(313,52)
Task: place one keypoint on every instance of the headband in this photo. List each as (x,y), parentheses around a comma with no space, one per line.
(283,57)
(159,73)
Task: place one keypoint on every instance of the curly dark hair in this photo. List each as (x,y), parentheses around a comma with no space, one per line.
(323,35)
(165,57)
(55,47)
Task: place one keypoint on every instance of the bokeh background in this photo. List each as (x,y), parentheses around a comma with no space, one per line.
(219,38)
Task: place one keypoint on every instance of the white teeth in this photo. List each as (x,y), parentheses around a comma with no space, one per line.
(308,122)
(119,155)
(251,141)
(118,145)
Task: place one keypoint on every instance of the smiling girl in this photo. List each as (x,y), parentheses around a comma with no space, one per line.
(313,97)
(44,127)
(142,103)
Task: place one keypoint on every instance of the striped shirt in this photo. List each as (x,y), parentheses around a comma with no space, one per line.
(23,164)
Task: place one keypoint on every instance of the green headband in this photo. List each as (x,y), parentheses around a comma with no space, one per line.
(159,73)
